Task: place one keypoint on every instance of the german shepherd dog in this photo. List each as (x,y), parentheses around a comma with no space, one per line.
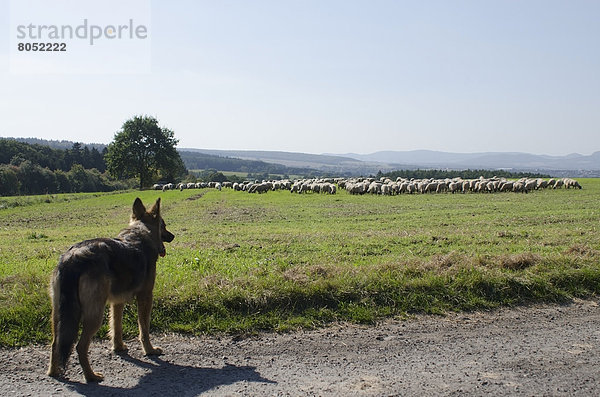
(102,270)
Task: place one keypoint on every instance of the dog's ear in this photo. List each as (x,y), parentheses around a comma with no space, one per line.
(155,210)
(138,209)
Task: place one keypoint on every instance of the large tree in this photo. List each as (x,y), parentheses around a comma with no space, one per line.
(144,150)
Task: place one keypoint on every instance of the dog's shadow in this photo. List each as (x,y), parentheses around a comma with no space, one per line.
(166,379)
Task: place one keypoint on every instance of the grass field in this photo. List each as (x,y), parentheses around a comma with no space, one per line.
(279,261)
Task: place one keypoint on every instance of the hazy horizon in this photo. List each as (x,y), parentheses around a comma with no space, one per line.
(179,147)
(320,76)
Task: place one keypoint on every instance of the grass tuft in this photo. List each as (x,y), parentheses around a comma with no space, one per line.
(519,261)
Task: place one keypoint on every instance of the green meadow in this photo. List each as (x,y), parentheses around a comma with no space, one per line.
(241,263)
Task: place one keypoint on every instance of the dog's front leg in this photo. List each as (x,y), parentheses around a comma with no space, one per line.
(116,326)
(144,302)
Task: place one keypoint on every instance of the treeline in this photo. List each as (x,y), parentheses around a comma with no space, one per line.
(466,174)
(15,152)
(57,144)
(36,169)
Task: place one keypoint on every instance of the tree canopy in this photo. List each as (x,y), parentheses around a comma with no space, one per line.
(37,169)
(15,152)
(144,150)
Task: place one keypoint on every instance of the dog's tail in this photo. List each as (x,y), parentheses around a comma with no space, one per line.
(66,314)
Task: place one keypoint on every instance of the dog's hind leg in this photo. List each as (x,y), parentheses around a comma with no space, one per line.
(93,295)
(91,320)
(116,326)
(63,339)
(144,303)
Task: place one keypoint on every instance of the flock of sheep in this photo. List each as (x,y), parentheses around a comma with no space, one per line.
(189,185)
(386,186)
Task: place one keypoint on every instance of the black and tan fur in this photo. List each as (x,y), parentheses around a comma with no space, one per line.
(114,270)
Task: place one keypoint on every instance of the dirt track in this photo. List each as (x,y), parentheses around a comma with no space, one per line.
(541,350)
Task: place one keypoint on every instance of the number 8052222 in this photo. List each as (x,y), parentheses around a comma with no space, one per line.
(42,47)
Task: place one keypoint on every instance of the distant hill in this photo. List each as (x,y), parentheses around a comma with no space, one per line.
(575,165)
(486,160)
(352,164)
(326,164)
(197,160)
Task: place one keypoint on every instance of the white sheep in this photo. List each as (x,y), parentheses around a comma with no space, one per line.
(442,187)
(571,183)
(530,184)
(454,187)
(374,188)
(541,184)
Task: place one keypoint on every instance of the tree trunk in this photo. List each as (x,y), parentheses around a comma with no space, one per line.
(141,178)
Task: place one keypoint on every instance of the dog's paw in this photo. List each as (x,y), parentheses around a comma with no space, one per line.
(155,351)
(94,377)
(55,372)
(120,348)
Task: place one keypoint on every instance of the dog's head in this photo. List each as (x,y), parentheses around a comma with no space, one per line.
(154,222)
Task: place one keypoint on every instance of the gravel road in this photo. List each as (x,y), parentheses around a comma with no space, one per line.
(537,350)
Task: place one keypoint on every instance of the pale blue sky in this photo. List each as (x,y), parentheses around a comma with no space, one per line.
(338,76)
